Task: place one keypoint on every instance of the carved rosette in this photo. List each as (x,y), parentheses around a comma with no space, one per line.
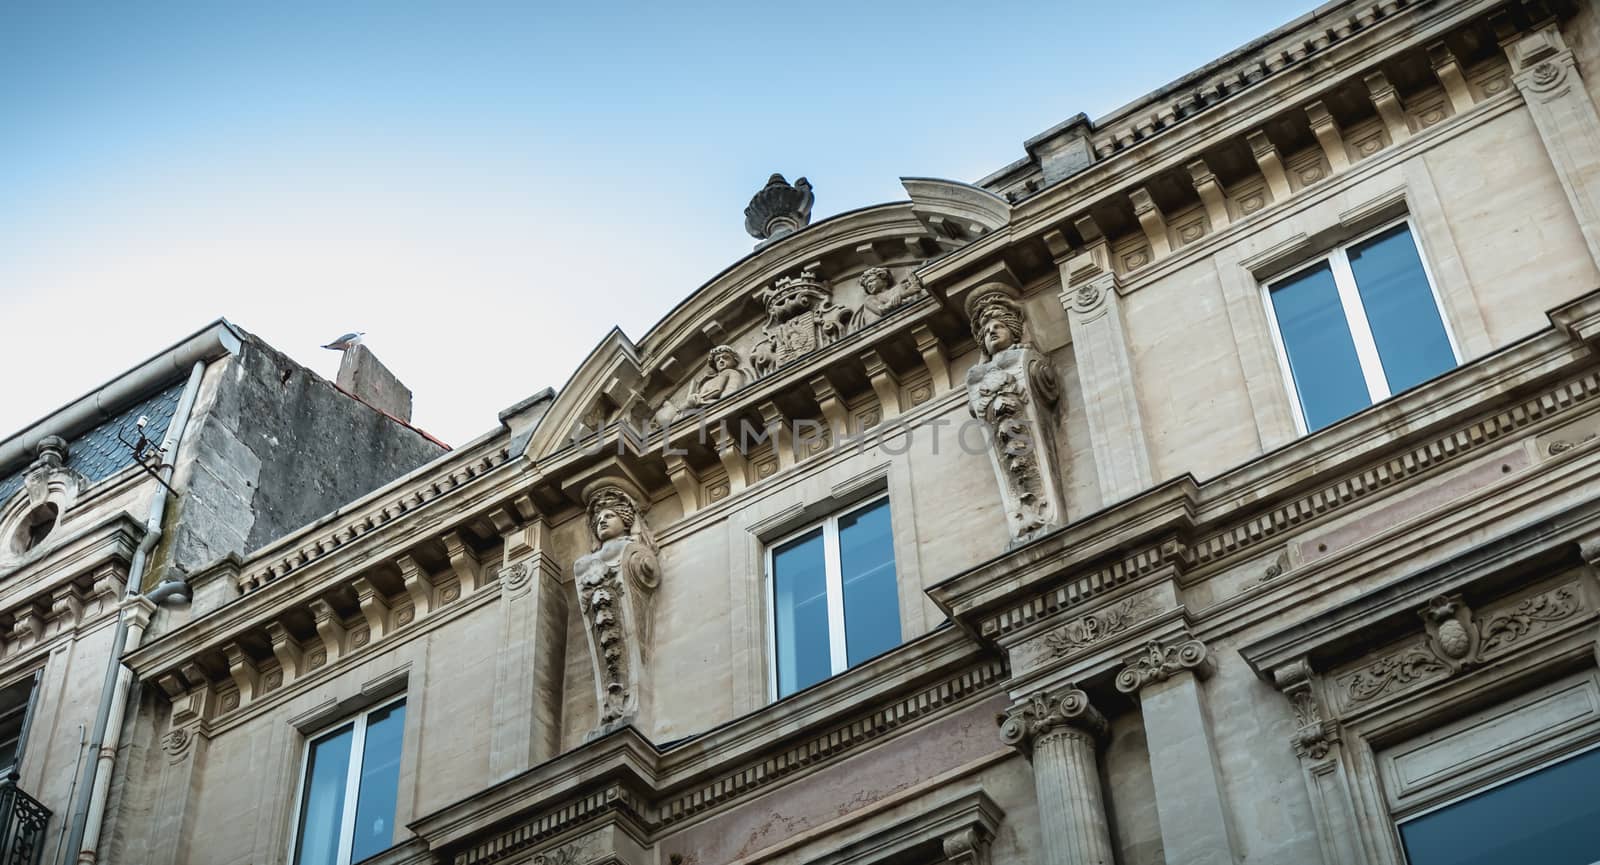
(1014,391)
(615,583)
(1059,713)
(1158,663)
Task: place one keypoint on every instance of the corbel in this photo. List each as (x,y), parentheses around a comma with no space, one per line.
(1387,100)
(884,383)
(778,430)
(374,608)
(66,608)
(1210,192)
(525,507)
(933,357)
(967,846)
(1448,70)
(1152,221)
(418,585)
(1326,128)
(28,628)
(685,481)
(242,668)
(287,650)
(464,561)
(195,703)
(732,458)
(832,406)
(108,586)
(329,628)
(1270,162)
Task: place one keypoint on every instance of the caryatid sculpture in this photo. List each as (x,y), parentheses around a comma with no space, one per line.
(615,582)
(1014,391)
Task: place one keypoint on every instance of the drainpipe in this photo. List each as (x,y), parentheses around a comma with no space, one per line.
(133,618)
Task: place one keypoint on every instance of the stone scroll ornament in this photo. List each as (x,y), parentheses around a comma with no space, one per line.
(615,583)
(1014,391)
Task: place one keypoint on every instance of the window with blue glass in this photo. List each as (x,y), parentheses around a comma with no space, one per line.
(1551,816)
(835,602)
(1358,326)
(349,788)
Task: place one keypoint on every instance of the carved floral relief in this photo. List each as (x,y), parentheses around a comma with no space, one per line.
(1457,640)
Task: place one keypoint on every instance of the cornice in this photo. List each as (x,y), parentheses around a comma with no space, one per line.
(922,680)
(1195,527)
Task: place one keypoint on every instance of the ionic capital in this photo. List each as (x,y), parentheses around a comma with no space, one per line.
(1049,712)
(1158,663)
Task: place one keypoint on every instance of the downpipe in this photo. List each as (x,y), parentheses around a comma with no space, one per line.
(133,617)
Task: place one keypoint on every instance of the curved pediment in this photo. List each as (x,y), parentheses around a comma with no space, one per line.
(793,296)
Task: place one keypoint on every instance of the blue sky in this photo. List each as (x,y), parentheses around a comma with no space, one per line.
(485,189)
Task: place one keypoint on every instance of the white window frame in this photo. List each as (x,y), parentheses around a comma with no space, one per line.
(1355,314)
(352,779)
(833,582)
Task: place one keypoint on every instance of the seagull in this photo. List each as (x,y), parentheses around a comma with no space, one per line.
(346,342)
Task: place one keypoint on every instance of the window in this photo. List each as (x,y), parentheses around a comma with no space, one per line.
(1550,816)
(1358,326)
(351,779)
(16,708)
(835,602)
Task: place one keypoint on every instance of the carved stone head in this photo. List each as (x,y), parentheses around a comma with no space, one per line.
(722,357)
(876,280)
(612,514)
(996,318)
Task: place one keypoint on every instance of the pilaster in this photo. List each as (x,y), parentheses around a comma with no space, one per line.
(1318,744)
(1105,375)
(1061,732)
(531,657)
(1195,825)
(1547,75)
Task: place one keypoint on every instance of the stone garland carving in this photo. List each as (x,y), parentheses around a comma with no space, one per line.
(1066,712)
(1158,663)
(1458,641)
(1014,391)
(801,318)
(883,295)
(1094,627)
(615,583)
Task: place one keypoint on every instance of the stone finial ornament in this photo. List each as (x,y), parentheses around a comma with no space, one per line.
(615,582)
(1014,391)
(801,318)
(778,210)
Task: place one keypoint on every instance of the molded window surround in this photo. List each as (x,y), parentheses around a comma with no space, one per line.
(832,596)
(349,786)
(1357,326)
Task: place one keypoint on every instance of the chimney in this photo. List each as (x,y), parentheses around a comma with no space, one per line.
(365,377)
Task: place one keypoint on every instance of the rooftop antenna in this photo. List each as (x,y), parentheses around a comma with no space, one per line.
(147,453)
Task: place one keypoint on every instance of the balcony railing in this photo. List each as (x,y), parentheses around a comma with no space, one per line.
(22,824)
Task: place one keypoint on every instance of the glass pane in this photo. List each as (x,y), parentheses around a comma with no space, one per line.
(322,799)
(1551,817)
(13,713)
(871,596)
(1322,357)
(800,587)
(380,782)
(1401,311)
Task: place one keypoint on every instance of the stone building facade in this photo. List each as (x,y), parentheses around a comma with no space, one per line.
(1215,484)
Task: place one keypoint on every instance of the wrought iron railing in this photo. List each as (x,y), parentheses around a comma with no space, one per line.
(22,823)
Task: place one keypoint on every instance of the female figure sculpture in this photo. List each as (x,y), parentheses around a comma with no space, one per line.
(614,582)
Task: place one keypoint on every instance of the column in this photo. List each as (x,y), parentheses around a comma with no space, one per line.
(1547,75)
(1105,371)
(1060,732)
(1183,764)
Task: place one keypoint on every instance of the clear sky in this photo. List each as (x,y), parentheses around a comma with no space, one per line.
(485,189)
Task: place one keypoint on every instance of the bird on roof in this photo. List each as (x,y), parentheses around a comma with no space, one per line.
(346,342)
